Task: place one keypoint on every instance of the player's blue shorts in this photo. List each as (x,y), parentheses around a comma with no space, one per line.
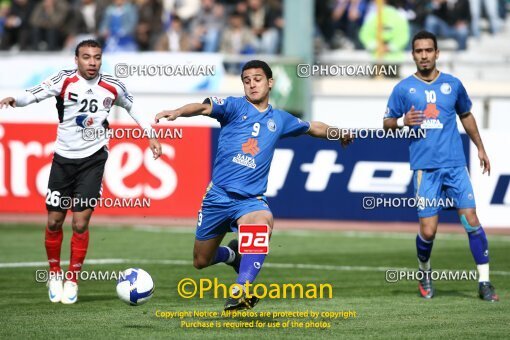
(437,188)
(221,209)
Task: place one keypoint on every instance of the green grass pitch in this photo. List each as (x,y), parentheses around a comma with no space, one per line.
(353,263)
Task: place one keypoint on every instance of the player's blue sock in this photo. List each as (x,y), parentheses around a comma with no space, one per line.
(423,249)
(223,254)
(479,245)
(250,267)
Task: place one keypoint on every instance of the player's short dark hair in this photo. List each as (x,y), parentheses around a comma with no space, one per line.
(258,64)
(425,35)
(87,43)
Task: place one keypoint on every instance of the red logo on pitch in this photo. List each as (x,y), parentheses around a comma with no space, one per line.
(253,239)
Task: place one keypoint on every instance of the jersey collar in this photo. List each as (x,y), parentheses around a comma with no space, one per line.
(428,82)
(266,110)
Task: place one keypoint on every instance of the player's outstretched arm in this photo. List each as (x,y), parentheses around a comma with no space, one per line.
(323,130)
(188,110)
(6,102)
(469,123)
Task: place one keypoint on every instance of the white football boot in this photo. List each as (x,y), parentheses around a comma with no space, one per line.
(70,294)
(55,288)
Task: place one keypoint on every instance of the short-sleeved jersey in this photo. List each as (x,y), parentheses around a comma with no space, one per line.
(247,142)
(82,104)
(441,100)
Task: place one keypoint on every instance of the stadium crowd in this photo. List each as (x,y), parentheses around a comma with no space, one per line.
(228,26)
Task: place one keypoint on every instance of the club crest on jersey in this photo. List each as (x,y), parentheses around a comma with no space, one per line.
(271,125)
(217,100)
(446,88)
(84,121)
(107,103)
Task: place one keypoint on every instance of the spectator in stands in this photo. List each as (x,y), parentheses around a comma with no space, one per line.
(450,19)
(491,9)
(263,21)
(16,25)
(149,25)
(417,12)
(206,26)
(348,16)
(175,39)
(118,26)
(324,25)
(47,21)
(84,22)
(237,38)
(184,9)
(395,34)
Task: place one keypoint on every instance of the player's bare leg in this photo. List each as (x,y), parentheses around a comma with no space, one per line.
(209,252)
(204,251)
(53,244)
(251,264)
(424,243)
(480,250)
(79,246)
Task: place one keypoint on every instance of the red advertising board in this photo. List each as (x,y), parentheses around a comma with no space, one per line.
(134,183)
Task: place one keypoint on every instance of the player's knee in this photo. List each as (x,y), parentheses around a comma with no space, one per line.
(470,222)
(428,234)
(80,226)
(200,262)
(55,224)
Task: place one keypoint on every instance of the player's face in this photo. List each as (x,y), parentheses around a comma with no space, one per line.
(89,61)
(256,85)
(425,55)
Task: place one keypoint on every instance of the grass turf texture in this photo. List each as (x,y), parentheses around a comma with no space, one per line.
(383,310)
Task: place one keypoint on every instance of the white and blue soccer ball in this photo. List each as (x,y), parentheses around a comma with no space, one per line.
(135,286)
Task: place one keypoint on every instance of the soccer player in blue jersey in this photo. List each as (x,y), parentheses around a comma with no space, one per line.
(250,129)
(432,100)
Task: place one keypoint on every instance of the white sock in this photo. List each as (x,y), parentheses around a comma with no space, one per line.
(231,256)
(483,272)
(424,265)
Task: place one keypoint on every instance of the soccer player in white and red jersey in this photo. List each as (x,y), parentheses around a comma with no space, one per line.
(84,99)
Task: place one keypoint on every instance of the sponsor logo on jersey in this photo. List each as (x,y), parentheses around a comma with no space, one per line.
(84,121)
(446,88)
(431,111)
(271,125)
(412,90)
(89,91)
(219,101)
(431,124)
(245,161)
(251,147)
(107,103)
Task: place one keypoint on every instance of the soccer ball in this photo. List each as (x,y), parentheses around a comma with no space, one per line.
(135,286)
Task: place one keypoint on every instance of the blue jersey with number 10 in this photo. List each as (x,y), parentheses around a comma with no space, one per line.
(441,100)
(247,142)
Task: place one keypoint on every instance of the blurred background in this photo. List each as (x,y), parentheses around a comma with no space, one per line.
(309,179)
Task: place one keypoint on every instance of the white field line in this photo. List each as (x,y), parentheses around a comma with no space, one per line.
(349,234)
(189,263)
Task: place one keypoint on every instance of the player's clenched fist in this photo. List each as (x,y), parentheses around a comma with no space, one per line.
(169,115)
(413,117)
(6,102)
